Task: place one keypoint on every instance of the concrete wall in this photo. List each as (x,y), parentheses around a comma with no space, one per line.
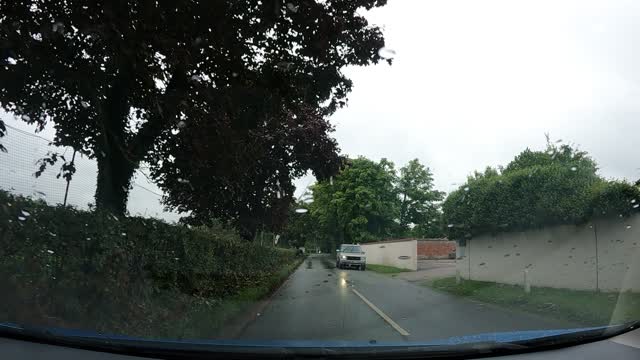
(436,249)
(401,254)
(602,255)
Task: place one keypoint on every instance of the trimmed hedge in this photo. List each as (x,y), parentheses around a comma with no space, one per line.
(537,189)
(66,267)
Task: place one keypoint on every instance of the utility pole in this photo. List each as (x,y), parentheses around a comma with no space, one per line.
(66,191)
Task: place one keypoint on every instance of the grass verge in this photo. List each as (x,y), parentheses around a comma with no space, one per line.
(587,308)
(384,269)
(228,310)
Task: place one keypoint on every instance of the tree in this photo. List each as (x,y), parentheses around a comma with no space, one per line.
(419,200)
(244,177)
(301,229)
(360,204)
(119,78)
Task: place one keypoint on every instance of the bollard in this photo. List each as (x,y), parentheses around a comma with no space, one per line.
(458,280)
(527,285)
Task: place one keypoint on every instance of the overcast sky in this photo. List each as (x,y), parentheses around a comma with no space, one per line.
(475,82)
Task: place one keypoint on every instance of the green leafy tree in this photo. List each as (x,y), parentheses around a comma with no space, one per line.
(360,204)
(419,201)
(120,78)
(300,228)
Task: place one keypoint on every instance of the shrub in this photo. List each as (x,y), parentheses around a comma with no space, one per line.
(86,269)
(537,189)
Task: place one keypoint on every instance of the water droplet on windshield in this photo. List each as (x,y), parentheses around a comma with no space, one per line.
(573,168)
(26,118)
(52,234)
(386,53)
(628,226)
(636,206)
(84,104)
(25,213)
(330,180)
(292,8)
(633,201)
(50,251)
(183,181)
(284,65)
(58,27)
(450,225)
(22,218)
(301,211)
(181,124)
(466,188)
(40,194)
(234,74)
(124,234)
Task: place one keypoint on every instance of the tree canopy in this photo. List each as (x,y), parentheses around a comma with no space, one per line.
(559,185)
(419,201)
(119,79)
(369,200)
(244,177)
(360,204)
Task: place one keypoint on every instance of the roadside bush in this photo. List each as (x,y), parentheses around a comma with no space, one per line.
(68,267)
(537,189)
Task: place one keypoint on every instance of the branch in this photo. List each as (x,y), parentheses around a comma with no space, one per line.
(167,111)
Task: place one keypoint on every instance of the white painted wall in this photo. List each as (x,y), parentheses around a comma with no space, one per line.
(601,255)
(389,253)
(619,254)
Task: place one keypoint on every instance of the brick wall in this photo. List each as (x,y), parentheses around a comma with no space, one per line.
(436,249)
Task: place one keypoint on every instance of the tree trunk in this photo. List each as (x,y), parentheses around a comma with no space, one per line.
(114,179)
(115,163)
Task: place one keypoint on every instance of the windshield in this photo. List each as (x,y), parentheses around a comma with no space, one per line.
(351,249)
(186,170)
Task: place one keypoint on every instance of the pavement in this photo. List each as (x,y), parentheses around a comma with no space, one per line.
(430,270)
(319,302)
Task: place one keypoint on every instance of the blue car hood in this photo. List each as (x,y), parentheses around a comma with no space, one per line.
(497,337)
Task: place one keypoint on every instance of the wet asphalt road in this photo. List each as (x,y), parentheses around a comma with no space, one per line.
(318,303)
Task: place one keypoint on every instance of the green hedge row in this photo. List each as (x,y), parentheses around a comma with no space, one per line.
(70,265)
(537,189)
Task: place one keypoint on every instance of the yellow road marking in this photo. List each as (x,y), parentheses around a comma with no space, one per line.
(384,316)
